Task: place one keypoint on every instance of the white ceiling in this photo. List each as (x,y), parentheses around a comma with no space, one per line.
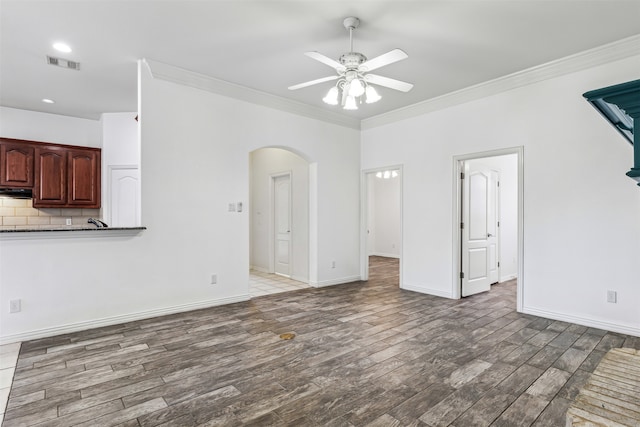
(260,44)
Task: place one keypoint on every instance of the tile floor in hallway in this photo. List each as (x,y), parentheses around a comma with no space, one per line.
(8,360)
(261,284)
(364,354)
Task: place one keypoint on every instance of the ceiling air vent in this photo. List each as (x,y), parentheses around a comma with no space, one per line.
(64,63)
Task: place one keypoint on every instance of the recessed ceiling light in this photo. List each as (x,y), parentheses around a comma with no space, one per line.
(48,101)
(62,47)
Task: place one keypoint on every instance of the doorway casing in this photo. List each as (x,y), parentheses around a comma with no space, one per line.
(364,220)
(306,274)
(457,215)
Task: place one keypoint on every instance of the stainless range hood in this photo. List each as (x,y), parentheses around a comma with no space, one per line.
(16,193)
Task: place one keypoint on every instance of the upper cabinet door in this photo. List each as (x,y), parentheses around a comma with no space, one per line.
(16,165)
(83,177)
(50,177)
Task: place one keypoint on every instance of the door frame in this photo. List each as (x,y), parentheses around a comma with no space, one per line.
(457,216)
(364,220)
(272,219)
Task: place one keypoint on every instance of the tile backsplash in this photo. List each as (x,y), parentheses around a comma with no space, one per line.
(20,214)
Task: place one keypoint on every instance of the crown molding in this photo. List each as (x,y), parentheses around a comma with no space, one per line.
(184,77)
(611,52)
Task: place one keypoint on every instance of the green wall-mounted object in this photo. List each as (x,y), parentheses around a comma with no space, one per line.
(620,106)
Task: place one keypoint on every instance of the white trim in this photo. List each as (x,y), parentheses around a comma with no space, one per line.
(184,77)
(611,52)
(115,320)
(397,256)
(457,160)
(260,269)
(507,278)
(584,321)
(341,281)
(299,279)
(427,291)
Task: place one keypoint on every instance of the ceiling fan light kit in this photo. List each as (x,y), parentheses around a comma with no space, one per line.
(354,83)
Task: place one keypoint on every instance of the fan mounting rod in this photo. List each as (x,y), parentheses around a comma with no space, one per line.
(351,23)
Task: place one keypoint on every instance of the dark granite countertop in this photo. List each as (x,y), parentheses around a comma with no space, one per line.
(71,232)
(47,230)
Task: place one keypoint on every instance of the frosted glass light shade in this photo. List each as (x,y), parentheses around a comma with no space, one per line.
(356,88)
(350,104)
(331,97)
(372,95)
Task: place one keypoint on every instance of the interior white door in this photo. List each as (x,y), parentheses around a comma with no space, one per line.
(124,197)
(282,224)
(479,229)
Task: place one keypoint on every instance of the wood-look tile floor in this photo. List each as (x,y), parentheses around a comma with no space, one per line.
(365,353)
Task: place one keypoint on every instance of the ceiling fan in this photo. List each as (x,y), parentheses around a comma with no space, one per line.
(353,74)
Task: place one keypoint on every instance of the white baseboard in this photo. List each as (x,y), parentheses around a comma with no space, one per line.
(425,290)
(385,255)
(260,269)
(266,270)
(114,320)
(300,279)
(592,323)
(342,280)
(507,278)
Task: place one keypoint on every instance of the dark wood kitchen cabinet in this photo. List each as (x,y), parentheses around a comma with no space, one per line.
(67,177)
(16,162)
(61,176)
(50,189)
(83,175)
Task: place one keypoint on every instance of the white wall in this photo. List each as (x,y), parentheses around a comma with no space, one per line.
(120,169)
(263,164)
(384,219)
(35,126)
(195,152)
(581,228)
(507,166)
(120,144)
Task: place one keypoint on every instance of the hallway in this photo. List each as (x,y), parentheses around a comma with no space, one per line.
(261,284)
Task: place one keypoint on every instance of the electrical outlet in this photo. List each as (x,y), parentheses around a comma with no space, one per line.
(214,279)
(15,306)
(612,296)
(333,264)
(239,207)
(68,221)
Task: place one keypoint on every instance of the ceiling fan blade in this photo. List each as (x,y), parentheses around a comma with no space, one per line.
(387,82)
(385,59)
(313,82)
(325,60)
